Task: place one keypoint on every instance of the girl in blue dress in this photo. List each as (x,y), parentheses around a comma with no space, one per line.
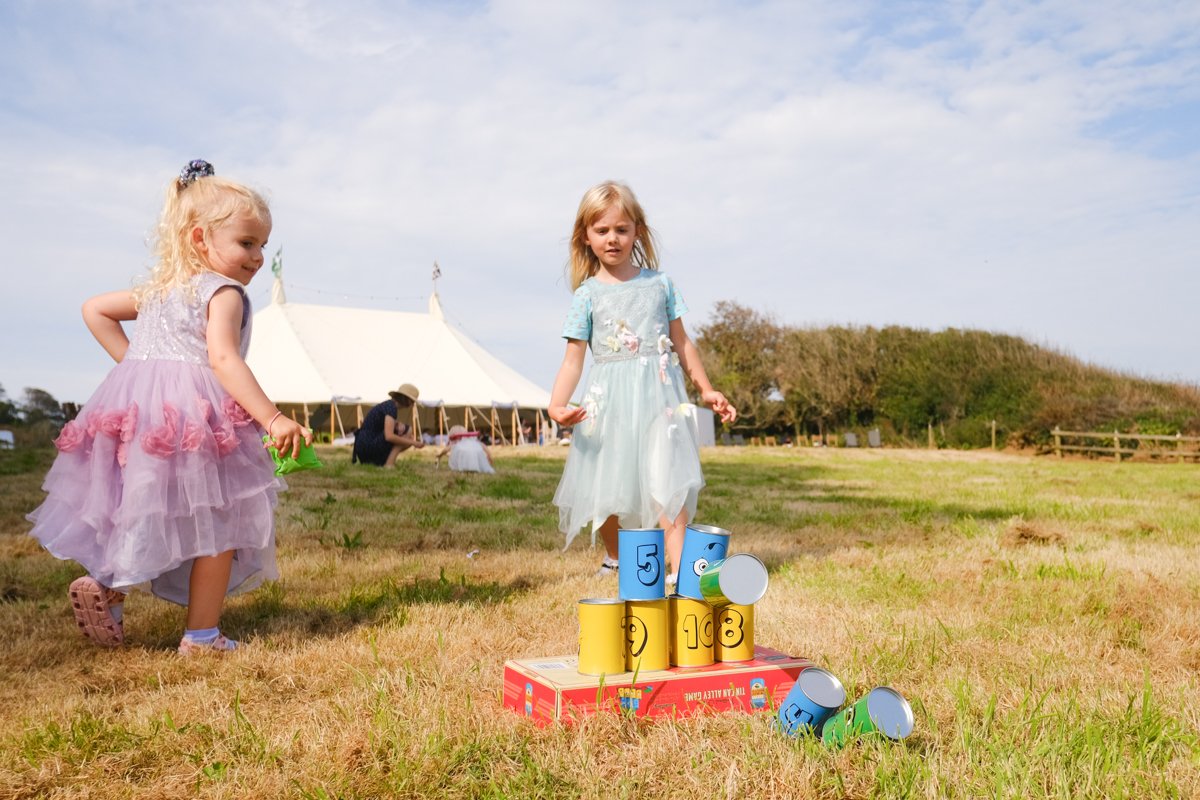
(634,460)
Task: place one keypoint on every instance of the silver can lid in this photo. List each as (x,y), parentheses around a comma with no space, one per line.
(890,713)
(743,579)
(599,601)
(822,687)
(711,530)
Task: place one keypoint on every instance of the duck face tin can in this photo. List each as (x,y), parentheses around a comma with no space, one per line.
(702,545)
(640,572)
(735,633)
(814,698)
(601,636)
(881,711)
(691,632)
(740,579)
(647,635)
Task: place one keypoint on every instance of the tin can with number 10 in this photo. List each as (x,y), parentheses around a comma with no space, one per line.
(691,632)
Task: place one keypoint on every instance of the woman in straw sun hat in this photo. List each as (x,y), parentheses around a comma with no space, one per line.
(383,434)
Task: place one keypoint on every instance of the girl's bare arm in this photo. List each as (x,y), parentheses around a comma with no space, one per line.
(689,359)
(103,314)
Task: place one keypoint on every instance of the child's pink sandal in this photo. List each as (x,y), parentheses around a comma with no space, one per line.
(91,603)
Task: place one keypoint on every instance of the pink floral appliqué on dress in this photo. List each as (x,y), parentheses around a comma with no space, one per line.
(236,414)
(72,437)
(195,432)
(118,424)
(159,441)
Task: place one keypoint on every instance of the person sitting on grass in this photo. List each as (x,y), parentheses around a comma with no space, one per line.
(382,435)
(467,453)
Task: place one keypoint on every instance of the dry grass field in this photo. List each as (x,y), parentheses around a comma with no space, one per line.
(1042,616)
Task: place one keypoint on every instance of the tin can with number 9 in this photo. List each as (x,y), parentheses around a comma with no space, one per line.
(647,635)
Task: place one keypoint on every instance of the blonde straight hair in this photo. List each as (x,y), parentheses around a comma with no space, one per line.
(206,202)
(596,200)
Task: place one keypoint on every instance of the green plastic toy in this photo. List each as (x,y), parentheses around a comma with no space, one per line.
(285,465)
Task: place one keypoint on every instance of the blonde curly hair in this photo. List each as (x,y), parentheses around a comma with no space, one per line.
(207,203)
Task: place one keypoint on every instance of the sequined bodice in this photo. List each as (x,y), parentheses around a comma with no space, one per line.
(174,327)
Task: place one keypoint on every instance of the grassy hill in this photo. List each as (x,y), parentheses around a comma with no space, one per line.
(814,380)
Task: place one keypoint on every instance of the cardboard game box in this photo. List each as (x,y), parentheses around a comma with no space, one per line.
(549,689)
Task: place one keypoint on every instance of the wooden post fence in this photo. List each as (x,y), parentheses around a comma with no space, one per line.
(1126,445)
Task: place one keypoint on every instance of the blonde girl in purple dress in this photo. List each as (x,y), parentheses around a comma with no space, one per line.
(162,481)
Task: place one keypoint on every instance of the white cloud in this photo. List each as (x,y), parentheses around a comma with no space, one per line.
(925,164)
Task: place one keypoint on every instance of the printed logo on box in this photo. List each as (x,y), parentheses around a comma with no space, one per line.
(758,693)
(630,697)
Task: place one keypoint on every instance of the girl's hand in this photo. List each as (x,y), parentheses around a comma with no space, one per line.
(565,415)
(286,434)
(719,405)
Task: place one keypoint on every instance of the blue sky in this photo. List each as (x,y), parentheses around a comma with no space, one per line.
(1027,168)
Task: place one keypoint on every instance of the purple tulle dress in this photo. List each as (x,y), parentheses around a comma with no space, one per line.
(162,465)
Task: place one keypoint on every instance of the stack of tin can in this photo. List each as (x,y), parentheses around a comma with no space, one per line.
(709,618)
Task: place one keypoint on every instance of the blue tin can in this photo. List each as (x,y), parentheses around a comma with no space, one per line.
(640,556)
(702,544)
(814,697)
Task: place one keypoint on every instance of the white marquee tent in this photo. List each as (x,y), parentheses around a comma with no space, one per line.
(350,358)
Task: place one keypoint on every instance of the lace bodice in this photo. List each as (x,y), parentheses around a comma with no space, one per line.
(174,327)
(625,320)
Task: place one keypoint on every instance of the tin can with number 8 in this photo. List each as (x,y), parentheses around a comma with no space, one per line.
(735,632)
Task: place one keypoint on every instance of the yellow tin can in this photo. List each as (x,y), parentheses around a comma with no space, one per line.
(647,635)
(735,633)
(691,632)
(601,636)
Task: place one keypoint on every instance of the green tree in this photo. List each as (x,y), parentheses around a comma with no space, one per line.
(739,349)
(39,405)
(8,410)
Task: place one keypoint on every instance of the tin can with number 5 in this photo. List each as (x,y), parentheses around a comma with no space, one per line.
(640,572)
(814,697)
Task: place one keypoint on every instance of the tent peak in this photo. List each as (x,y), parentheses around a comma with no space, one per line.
(435,306)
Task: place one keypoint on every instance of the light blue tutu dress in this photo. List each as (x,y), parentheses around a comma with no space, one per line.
(637,454)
